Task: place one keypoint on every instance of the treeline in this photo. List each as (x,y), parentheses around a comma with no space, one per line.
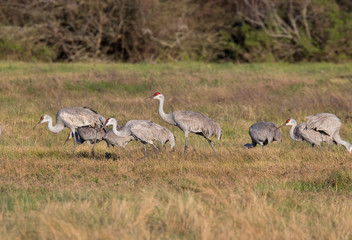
(162,30)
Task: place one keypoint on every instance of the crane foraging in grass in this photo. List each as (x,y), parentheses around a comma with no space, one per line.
(73,118)
(87,134)
(263,133)
(189,122)
(322,127)
(143,131)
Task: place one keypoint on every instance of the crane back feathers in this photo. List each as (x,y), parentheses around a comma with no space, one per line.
(263,133)
(79,116)
(148,131)
(324,122)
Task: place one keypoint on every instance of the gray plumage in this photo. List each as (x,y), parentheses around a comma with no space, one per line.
(322,127)
(73,118)
(87,134)
(190,122)
(112,139)
(328,125)
(143,131)
(263,133)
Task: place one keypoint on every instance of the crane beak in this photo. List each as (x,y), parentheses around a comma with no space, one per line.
(68,137)
(282,125)
(37,124)
(151,97)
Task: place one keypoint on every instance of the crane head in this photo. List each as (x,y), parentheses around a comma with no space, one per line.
(69,136)
(157,96)
(289,121)
(110,121)
(43,118)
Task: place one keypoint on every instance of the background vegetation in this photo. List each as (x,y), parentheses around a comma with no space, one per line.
(289,191)
(163,30)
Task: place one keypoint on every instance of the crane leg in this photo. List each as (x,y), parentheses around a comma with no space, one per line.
(186,146)
(209,141)
(156,148)
(74,140)
(145,152)
(95,141)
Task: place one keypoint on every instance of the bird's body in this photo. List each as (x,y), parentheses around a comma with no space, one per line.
(142,130)
(263,133)
(74,118)
(88,134)
(322,127)
(190,122)
(112,139)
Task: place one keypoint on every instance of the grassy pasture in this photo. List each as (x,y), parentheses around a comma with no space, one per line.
(290,191)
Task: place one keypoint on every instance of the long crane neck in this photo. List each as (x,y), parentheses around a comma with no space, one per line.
(121,133)
(57,128)
(338,140)
(164,116)
(293,135)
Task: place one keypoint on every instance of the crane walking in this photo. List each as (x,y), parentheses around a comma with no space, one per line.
(189,122)
(322,127)
(263,133)
(73,118)
(143,131)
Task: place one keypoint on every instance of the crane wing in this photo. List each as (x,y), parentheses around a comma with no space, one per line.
(148,131)
(262,131)
(79,117)
(324,122)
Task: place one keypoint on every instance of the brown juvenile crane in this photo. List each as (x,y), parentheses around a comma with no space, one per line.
(189,122)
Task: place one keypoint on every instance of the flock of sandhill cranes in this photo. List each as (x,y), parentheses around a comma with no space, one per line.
(320,128)
(87,125)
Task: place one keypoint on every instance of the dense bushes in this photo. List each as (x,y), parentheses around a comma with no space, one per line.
(159,30)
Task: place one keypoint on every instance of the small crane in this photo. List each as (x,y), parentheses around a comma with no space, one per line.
(88,134)
(263,133)
(189,122)
(143,131)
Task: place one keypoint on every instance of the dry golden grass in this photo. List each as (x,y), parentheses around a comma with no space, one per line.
(290,191)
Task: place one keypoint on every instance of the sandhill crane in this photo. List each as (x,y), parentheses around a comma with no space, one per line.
(73,118)
(302,133)
(263,133)
(189,122)
(88,134)
(322,127)
(143,131)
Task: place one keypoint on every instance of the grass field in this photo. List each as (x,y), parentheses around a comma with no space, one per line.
(289,191)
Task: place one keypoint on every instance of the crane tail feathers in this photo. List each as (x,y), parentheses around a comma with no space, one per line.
(212,128)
